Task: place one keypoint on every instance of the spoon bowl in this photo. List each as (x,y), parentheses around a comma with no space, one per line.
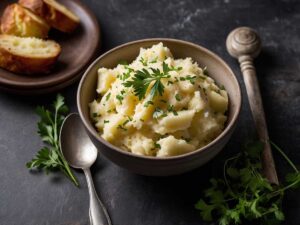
(76,145)
(80,153)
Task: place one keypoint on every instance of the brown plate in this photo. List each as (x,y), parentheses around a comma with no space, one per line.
(78,49)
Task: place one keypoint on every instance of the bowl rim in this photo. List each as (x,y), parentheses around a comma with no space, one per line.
(203,149)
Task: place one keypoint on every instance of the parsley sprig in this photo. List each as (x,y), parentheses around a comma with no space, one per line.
(244,194)
(143,78)
(50,157)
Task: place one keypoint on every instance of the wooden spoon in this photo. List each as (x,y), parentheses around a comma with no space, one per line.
(244,44)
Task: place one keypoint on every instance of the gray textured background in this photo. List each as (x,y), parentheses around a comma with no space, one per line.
(30,198)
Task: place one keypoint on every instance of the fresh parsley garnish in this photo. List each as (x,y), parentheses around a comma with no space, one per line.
(158,113)
(143,78)
(126,75)
(243,194)
(107,96)
(50,157)
(148,103)
(143,61)
(106,121)
(178,97)
(171,109)
(120,98)
(189,78)
(125,122)
(122,127)
(156,145)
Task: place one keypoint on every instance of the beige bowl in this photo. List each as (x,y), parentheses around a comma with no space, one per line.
(146,165)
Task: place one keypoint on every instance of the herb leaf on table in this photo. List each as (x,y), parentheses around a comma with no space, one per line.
(243,194)
(50,157)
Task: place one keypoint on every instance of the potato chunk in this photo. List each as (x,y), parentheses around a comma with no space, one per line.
(171,146)
(172,123)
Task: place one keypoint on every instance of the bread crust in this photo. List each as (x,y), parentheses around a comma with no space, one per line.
(54,16)
(19,21)
(26,64)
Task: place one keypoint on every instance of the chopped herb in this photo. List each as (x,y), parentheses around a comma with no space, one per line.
(222,87)
(120,98)
(127,74)
(107,96)
(148,103)
(178,97)
(106,121)
(129,118)
(143,61)
(126,121)
(171,109)
(143,78)
(164,101)
(122,127)
(191,79)
(170,82)
(176,79)
(158,112)
(123,92)
(142,120)
(109,111)
(156,145)
(95,114)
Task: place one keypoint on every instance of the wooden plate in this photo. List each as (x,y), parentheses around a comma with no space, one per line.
(78,50)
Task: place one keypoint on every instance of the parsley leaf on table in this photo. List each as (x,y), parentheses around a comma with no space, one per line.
(243,194)
(50,157)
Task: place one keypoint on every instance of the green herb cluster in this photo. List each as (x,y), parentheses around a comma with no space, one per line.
(143,78)
(243,194)
(50,157)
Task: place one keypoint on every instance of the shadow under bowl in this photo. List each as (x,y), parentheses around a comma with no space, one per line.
(154,166)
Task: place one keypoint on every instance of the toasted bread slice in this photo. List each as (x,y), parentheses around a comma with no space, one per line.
(27,55)
(56,14)
(19,21)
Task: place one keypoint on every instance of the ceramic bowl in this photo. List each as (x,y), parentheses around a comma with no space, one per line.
(153,166)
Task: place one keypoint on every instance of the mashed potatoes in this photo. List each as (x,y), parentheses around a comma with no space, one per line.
(158,105)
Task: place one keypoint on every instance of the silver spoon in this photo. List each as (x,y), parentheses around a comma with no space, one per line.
(80,153)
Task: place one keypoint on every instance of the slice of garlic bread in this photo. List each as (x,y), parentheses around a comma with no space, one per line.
(56,14)
(27,55)
(19,21)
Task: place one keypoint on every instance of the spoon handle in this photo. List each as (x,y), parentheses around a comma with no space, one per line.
(98,213)
(256,106)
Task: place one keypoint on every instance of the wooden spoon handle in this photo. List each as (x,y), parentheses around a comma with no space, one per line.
(244,44)
(256,105)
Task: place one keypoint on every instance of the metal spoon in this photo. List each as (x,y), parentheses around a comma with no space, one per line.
(80,153)
(244,44)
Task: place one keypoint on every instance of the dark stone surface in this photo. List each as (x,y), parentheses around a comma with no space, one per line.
(30,198)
